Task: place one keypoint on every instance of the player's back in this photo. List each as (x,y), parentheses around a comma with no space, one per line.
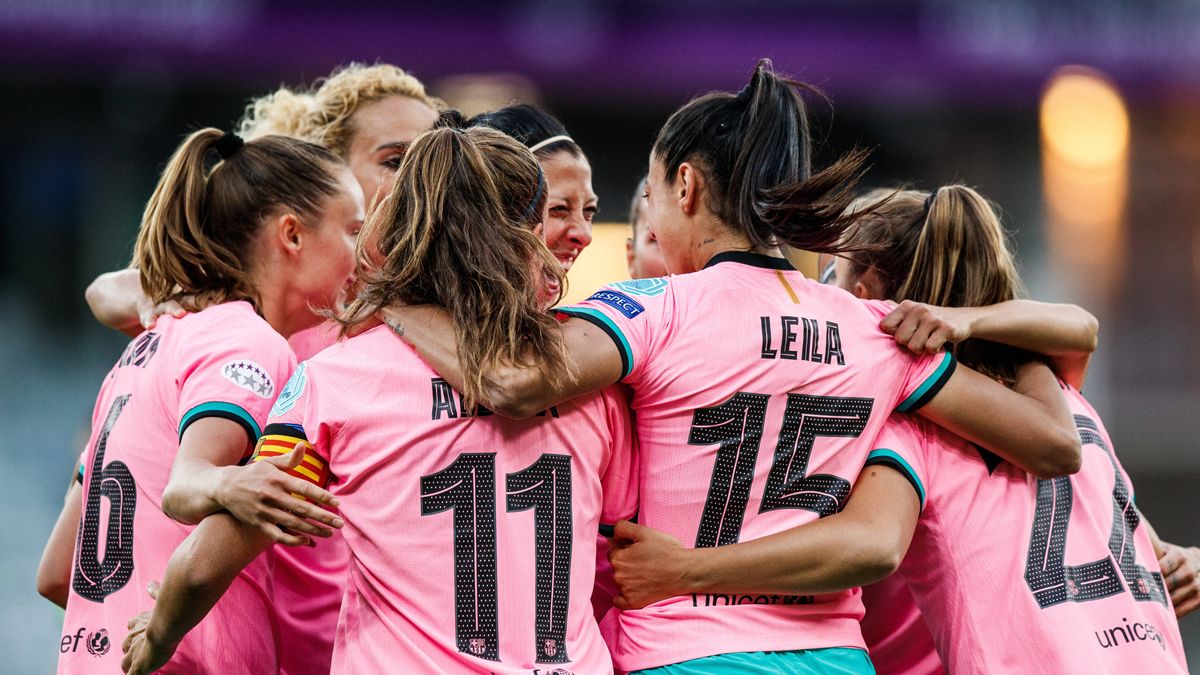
(184,370)
(758,394)
(472,536)
(895,632)
(1016,574)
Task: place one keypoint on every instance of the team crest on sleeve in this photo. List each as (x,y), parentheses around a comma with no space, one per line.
(644,287)
(291,392)
(249,376)
(618,301)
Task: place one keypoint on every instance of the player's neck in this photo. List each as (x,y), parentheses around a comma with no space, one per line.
(279,308)
(710,237)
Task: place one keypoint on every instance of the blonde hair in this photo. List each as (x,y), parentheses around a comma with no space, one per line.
(950,250)
(323,113)
(463,207)
(199,227)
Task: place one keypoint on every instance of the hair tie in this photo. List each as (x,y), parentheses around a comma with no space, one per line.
(929,203)
(228,144)
(550,141)
(746,93)
(537,196)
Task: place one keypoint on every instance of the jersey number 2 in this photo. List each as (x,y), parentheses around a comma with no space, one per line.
(1050,579)
(468,487)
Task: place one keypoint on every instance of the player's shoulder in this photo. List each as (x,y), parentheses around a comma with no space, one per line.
(632,297)
(235,323)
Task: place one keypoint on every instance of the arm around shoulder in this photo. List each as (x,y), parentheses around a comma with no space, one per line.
(1029,425)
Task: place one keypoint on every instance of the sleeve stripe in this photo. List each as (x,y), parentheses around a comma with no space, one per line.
(227,411)
(605,324)
(79,474)
(930,387)
(886,457)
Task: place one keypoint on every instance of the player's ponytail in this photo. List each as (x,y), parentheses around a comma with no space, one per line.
(457,231)
(943,248)
(199,227)
(754,148)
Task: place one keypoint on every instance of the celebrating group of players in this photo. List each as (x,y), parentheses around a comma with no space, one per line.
(693,473)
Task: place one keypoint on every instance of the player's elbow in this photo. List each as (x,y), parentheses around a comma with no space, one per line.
(53,585)
(880,558)
(176,505)
(1063,456)
(1089,329)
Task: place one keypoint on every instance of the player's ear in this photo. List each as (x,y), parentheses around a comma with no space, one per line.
(689,183)
(869,286)
(286,231)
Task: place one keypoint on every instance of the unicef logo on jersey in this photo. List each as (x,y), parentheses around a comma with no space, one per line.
(644,287)
(98,643)
(291,392)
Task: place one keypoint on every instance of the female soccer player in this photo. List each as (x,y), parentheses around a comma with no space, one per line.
(571,204)
(1012,573)
(367,115)
(247,247)
(642,252)
(472,535)
(738,351)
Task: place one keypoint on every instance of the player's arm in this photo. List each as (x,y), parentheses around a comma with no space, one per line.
(862,544)
(198,574)
(1067,334)
(1029,425)
(118,301)
(54,570)
(205,479)
(512,390)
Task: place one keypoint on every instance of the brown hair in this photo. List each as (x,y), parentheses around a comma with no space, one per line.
(948,250)
(754,148)
(457,232)
(198,230)
(323,114)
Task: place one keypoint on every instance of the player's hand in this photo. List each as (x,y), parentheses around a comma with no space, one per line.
(1181,572)
(148,311)
(262,495)
(925,329)
(142,655)
(648,565)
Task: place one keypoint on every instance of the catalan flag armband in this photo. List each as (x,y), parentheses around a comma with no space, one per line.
(279,439)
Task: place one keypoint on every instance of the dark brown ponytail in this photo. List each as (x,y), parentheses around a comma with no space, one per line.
(755,150)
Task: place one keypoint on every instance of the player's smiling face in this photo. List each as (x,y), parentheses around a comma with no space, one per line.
(570,206)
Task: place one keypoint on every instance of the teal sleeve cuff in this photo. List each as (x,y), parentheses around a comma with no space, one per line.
(886,457)
(931,386)
(606,324)
(229,411)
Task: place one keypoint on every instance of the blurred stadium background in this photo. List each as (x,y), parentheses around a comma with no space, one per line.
(1080,117)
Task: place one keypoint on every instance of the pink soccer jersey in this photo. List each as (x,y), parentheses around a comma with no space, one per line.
(894,629)
(472,537)
(1017,575)
(309,583)
(222,362)
(757,394)
(310,341)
